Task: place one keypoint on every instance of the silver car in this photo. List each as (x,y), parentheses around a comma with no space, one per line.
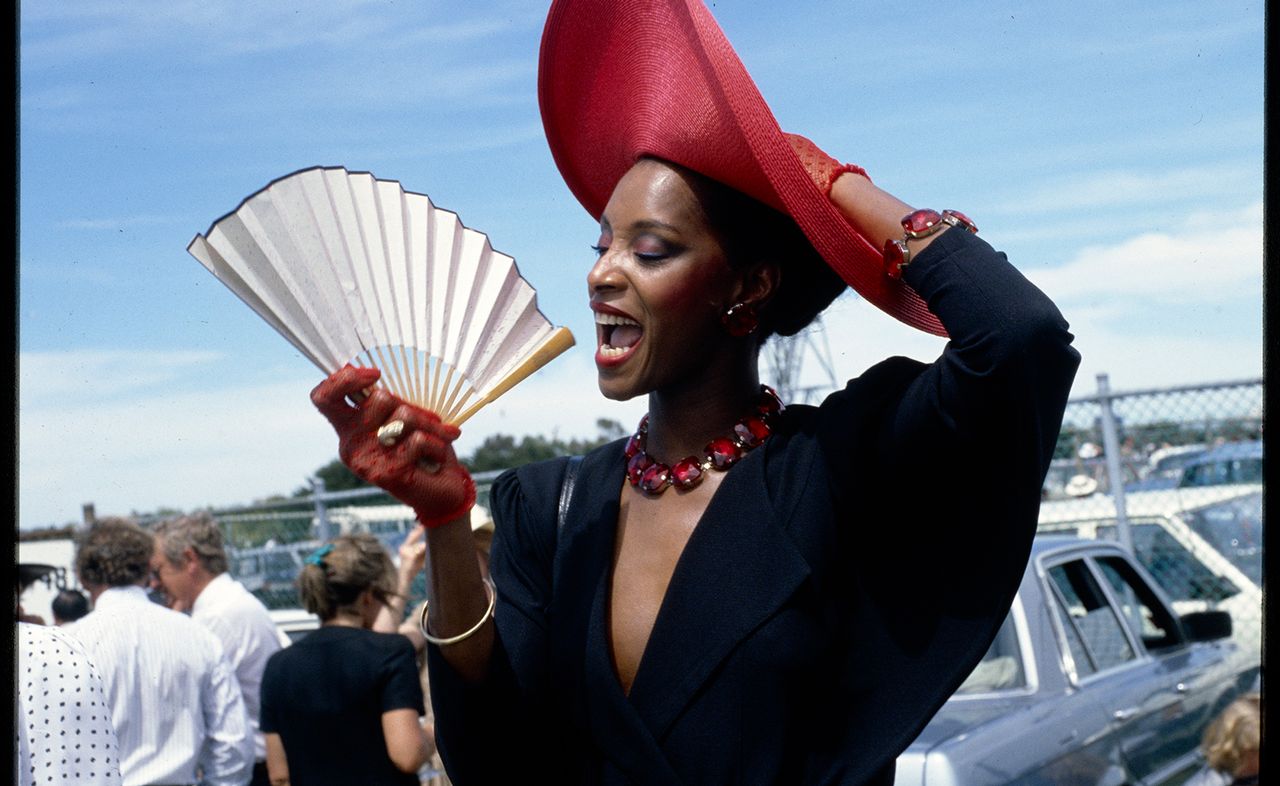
(1092,679)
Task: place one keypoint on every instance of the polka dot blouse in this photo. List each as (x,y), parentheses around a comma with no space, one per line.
(63,731)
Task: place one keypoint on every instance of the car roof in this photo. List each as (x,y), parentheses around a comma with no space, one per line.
(1159,502)
(1045,544)
(1231,450)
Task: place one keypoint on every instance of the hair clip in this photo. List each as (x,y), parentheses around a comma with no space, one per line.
(317,557)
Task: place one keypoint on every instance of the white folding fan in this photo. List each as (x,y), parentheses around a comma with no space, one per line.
(352,269)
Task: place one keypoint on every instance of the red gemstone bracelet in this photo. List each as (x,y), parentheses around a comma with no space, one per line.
(916,225)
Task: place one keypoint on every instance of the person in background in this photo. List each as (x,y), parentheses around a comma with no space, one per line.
(342,705)
(28,574)
(53,746)
(413,556)
(190,565)
(1232,745)
(68,606)
(174,700)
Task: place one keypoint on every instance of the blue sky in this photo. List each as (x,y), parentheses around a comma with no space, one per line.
(1115,154)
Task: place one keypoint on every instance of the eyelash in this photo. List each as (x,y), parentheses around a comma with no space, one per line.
(648,258)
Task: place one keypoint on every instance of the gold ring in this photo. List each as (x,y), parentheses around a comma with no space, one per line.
(388,433)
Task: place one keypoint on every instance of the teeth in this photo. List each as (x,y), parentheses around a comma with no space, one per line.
(614,319)
(612,352)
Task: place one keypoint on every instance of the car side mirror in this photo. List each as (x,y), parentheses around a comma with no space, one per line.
(1206,625)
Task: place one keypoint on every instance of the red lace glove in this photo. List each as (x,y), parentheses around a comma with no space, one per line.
(419,467)
(822,168)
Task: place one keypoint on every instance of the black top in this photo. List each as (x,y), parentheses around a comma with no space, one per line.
(325,696)
(844,579)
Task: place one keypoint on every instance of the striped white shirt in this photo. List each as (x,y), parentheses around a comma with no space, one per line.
(248,637)
(174,700)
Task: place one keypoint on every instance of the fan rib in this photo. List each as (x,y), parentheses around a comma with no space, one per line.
(352,269)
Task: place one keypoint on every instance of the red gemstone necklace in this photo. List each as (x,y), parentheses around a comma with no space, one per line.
(653,477)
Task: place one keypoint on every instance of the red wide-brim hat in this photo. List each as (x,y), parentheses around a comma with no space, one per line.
(621,79)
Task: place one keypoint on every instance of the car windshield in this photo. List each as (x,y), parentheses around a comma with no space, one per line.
(1234,528)
(1176,461)
(1001,668)
(1175,568)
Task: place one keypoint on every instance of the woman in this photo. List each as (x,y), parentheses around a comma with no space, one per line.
(792,601)
(341,706)
(1232,745)
(413,558)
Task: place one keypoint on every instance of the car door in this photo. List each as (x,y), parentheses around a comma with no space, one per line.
(1106,663)
(1186,679)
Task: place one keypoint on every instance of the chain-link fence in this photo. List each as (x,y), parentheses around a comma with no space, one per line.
(267,543)
(1174,473)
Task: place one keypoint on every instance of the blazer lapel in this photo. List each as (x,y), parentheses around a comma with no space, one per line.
(738,568)
(581,650)
(618,729)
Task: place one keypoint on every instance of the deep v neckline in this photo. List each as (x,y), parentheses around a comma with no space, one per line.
(736,570)
(627,498)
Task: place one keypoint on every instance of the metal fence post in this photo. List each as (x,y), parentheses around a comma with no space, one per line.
(323,531)
(1111,453)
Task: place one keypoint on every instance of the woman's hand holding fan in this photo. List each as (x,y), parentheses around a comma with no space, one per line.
(413,461)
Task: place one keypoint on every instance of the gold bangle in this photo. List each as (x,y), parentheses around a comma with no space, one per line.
(493,601)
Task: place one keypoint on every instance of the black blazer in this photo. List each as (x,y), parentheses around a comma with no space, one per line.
(843,581)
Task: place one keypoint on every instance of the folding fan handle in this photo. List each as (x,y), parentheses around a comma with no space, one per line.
(559,341)
(418,466)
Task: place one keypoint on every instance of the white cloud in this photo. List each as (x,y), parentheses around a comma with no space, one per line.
(1198,260)
(1123,189)
(46,377)
(118,222)
(216,447)
(1139,363)
(562,400)
(222,29)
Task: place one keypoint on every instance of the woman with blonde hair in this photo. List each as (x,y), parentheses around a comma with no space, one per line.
(1232,742)
(342,705)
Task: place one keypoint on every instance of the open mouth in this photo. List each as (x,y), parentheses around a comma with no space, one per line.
(616,334)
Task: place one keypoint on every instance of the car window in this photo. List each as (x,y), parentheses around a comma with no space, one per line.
(1179,573)
(1001,668)
(1234,528)
(1222,471)
(1088,611)
(1139,605)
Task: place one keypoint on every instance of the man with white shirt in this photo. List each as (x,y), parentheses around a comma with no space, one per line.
(190,565)
(175,704)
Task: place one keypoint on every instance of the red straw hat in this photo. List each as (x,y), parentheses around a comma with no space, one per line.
(619,79)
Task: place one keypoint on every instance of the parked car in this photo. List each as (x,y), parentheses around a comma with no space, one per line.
(1234,462)
(1092,679)
(271,572)
(294,623)
(1202,545)
(1164,467)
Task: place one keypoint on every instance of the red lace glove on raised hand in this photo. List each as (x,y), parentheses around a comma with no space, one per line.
(414,462)
(822,168)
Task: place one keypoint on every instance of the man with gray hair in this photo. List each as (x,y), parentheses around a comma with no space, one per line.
(173,698)
(190,565)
